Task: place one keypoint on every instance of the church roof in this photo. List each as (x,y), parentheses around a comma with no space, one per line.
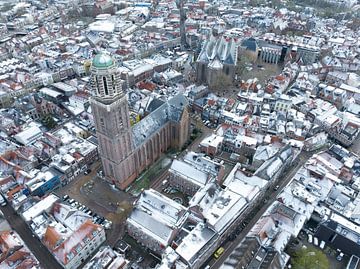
(102,60)
(222,49)
(154,104)
(169,111)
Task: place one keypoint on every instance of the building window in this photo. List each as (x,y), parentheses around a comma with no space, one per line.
(97,85)
(105,86)
(120,118)
(113,83)
(111,170)
(102,124)
(227,70)
(173,132)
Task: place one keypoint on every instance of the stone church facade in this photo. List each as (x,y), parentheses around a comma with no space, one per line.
(217,58)
(127,150)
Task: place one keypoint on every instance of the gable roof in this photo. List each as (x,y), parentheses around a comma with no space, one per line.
(169,111)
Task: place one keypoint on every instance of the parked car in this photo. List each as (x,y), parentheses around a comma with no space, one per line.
(65,197)
(88,171)
(89,212)
(322,244)
(310,238)
(316,241)
(100,220)
(276,187)
(2,200)
(107,224)
(340,256)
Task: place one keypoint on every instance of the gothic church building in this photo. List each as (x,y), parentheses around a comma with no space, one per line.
(127,150)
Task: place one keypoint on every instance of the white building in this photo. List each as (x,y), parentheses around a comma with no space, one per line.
(107,258)
(155,219)
(69,234)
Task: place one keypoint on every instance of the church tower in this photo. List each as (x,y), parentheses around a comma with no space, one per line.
(110,109)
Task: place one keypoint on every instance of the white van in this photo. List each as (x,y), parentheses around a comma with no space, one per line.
(322,244)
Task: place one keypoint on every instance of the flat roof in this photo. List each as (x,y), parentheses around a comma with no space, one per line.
(43,205)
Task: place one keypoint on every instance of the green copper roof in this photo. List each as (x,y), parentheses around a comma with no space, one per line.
(102,60)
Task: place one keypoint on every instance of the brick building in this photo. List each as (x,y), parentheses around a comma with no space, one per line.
(127,150)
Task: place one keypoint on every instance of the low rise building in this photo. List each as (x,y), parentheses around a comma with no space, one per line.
(69,234)
(155,220)
(107,258)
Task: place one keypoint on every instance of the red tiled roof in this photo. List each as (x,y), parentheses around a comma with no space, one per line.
(69,245)
(51,237)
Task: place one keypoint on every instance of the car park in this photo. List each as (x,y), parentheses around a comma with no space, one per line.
(86,211)
(95,217)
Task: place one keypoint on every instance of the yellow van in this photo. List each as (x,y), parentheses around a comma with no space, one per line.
(218,252)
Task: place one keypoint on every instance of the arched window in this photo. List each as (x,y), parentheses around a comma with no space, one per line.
(105,86)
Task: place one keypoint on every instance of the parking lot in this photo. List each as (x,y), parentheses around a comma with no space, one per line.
(101,199)
(306,239)
(138,256)
(96,218)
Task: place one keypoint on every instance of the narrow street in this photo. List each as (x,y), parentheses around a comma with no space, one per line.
(40,251)
(231,245)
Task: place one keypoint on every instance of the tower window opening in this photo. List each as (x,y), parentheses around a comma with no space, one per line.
(105,86)
(113,83)
(102,124)
(97,85)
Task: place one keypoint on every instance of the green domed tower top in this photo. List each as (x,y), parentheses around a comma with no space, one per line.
(105,78)
(102,60)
